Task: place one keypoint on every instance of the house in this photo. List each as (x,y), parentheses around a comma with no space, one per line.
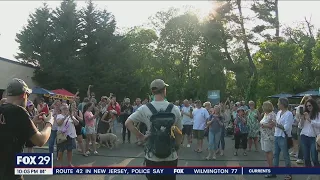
(10,69)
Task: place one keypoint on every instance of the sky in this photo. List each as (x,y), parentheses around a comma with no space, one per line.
(14,15)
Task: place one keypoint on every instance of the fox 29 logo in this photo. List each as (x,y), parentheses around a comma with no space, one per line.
(34,160)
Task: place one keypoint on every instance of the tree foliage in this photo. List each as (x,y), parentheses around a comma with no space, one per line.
(74,48)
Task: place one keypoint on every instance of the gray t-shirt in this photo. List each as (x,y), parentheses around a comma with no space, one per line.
(215,125)
(143,115)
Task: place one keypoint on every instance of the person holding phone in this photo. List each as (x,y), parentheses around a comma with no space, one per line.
(310,129)
(42,106)
(90,121)
(299,115)
(215,125)
(16,127)
(66,124)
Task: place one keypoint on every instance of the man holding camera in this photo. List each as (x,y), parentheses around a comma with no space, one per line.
(16,127)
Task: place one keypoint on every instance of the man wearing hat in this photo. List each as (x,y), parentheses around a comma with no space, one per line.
(143,115)
(16,127)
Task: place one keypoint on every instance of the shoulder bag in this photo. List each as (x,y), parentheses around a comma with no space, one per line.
(61,136)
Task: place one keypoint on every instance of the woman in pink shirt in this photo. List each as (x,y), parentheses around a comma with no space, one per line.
(90,121)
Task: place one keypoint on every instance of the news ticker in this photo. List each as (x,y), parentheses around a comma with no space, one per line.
(42,164)
(165,171)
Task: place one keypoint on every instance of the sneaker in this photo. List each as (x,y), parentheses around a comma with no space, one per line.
(292,154)
(299,161)
(88,153)
(221,153)
(214,157)
(188,145)
(95,152)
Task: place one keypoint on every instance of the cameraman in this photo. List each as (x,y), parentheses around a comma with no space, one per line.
(16,127)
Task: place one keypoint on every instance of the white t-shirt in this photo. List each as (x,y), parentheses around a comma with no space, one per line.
(143,115)
(200,117)
(186,120)
(67,126)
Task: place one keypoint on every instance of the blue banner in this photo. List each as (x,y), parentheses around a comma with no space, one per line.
(34,160)
(185,170)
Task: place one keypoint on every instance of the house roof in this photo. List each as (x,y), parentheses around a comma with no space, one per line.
(17,62)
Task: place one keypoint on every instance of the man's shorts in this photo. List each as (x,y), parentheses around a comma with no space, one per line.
(187,129)
(198,134)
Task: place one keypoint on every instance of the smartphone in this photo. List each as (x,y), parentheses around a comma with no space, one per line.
(45,110)
(301,110)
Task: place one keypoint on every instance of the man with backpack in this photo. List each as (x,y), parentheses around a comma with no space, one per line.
(163,136)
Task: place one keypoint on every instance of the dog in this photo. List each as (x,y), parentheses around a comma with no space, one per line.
(109,139)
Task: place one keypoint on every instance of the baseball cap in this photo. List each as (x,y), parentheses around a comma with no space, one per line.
(17,87)
(158,84)
(240,109)
(127,100)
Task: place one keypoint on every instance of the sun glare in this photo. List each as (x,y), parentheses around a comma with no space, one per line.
(203,9)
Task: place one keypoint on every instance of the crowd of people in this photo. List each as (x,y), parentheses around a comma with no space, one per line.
(79,125)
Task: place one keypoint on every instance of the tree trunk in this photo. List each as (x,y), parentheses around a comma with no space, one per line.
(253,69)
(277,24)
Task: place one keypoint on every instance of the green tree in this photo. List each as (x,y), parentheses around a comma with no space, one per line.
(279,68)
(176,50)
(268,12)
(66,43)
(303,36)
(97,29)
(142,46)
(35,38)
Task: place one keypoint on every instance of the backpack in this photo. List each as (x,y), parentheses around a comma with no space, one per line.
(160,142)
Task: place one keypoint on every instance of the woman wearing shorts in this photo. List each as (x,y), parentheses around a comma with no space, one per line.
(267,132)
(66,125)
(78,115)
(90,121)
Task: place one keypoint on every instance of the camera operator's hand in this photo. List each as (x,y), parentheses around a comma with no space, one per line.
(48,118)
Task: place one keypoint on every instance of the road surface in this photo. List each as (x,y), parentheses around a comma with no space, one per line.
(132,155)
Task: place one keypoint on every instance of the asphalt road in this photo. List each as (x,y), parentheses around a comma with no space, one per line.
(132,155)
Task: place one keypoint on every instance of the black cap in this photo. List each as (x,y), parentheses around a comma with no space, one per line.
(17,87)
